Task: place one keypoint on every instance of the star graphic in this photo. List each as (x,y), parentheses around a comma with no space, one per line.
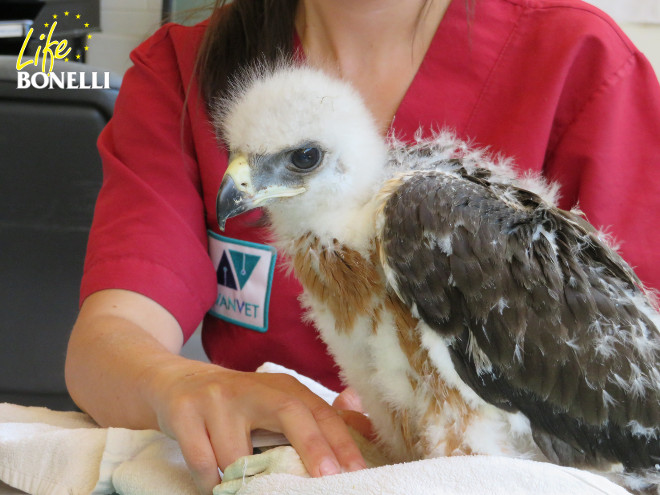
(54,23)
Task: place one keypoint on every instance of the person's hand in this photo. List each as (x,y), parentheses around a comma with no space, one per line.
(349,406)
(211,411)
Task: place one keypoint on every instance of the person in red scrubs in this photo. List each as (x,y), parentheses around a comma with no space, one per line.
(554,84)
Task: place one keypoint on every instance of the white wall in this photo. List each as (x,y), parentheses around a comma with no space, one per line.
(647,39)
(124,25)
(641,11)
(640,19)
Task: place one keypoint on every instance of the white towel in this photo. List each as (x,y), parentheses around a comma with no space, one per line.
(325,393)
(46,452)
(43,451)
(468,475)
(159,469)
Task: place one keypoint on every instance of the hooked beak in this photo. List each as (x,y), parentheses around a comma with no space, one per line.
(236,194)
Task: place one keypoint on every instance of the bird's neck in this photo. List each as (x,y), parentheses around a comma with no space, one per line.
(352,227)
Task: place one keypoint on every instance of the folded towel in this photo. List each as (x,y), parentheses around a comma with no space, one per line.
(467,475)
(158,469)
(43,451)
(325,393)
(46,452)
(54,452)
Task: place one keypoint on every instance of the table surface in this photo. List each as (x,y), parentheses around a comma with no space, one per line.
(8,490)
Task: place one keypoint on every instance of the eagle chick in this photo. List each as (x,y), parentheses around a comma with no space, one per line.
(470,313)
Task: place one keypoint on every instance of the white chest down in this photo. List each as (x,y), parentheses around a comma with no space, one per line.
(419,406)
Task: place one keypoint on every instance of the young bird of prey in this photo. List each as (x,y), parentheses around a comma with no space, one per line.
(471,314)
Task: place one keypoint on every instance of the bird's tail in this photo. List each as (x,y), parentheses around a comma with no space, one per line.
(640,481)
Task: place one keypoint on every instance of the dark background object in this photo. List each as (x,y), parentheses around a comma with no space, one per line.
(50,174)
(17,14)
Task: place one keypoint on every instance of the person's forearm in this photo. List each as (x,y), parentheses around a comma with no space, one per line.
(107,371)
(118,341)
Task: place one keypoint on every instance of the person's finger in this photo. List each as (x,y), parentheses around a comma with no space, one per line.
(198,453)
(230,438)
(335,430)
(319,435)
(360,423)
(348,400)
(301,428)
(342,443)
(313,427)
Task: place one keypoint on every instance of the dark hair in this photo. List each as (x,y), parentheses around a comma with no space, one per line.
(239,34)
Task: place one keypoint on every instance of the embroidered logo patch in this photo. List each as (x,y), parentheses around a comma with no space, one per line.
(245,277)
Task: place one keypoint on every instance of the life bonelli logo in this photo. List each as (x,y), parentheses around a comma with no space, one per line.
(48,50)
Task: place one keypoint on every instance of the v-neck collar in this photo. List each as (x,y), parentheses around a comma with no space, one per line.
(420,78)
(423,72)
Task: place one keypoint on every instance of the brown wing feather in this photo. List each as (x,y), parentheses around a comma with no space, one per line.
(557,312)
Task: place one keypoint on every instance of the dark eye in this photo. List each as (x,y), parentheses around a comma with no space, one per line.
(306,158)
